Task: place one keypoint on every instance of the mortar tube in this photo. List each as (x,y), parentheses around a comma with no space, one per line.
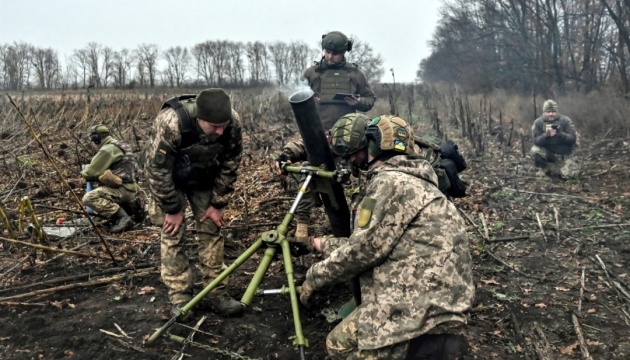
(318,151)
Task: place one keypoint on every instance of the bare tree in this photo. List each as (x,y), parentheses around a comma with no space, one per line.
(122,62)
(298,60)
(202,57)
(147,54)
(81,60)
(177,63)
(15,64)
(46,66)
(280,61)
(257,58)
(363,55)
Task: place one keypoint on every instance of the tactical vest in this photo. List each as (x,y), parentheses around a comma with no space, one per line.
(126,167)
(333,81)
(196,162)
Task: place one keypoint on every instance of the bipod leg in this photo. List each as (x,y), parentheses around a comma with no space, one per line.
(216,282)
(295,309)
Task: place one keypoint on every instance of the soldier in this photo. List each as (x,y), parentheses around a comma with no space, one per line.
(554,139)
(330,76)
(193,155)
(409,249)
(333,75)
(114,166)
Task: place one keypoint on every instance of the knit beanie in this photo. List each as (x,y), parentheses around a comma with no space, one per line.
(214,106)
(550,105)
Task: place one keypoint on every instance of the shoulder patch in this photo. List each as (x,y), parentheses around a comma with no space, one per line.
(163,152)
(365,211)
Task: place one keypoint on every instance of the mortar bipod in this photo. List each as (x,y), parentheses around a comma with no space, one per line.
(318,179)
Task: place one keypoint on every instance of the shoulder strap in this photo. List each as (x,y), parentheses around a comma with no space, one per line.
(187,127)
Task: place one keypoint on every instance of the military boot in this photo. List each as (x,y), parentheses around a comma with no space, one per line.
(437,346)
(122,221)
(302,244)
(222,303)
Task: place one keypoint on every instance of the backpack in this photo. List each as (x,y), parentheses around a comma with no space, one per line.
(447,162)
(187,126)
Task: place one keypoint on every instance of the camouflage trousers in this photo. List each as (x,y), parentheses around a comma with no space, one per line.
(342,343)
(104,199)
(563,166)
(175,270)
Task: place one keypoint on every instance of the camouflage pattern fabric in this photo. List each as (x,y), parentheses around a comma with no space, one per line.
(341,342)
(104,200)
(162,160)
(326,81)
(175,269)
(221,173)
(409,249)
(563,166)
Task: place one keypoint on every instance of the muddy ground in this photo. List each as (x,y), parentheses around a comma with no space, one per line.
(540,247)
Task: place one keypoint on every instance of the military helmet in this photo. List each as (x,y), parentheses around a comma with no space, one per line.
(390,133)
(347,136)
(98,133)
(336,41)
(99,129)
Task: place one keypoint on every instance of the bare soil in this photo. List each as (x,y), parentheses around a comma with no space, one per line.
(539,245)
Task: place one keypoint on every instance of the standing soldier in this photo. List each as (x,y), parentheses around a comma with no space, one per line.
(330,76)
(193,155)
(114,166)
(409,249)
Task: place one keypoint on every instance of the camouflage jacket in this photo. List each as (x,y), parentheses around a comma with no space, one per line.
(326,81)
(563,142)
(167,164)
(116,156)
(410,250)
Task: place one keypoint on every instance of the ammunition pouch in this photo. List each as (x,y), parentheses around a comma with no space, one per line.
(108,178)
(197,170)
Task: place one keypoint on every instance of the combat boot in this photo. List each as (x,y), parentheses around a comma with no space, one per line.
(122,221)
(302,244)
(437,347)
(222,303)
(301,232)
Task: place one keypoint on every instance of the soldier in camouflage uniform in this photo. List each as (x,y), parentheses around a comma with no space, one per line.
(409,249)
(332,75)
(554,139)
(201,170)
(114,167)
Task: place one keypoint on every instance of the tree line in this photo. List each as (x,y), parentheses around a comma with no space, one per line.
(222,63)
(532,46)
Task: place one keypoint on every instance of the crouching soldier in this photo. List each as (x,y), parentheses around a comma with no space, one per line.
(114,167)
(554,139)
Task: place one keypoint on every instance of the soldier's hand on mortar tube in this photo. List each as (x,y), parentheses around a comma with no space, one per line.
(305,294)
(214,214)
(172,223)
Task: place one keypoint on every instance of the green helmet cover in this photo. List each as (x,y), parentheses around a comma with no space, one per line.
(347,136)
(99,129)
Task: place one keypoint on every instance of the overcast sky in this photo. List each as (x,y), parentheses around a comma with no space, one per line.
(397,29)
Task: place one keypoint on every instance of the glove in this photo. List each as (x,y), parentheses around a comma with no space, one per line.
(283,157)
(108,178)
(305,294)
(301,246)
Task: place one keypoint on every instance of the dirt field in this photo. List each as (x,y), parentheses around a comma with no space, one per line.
(540,248)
